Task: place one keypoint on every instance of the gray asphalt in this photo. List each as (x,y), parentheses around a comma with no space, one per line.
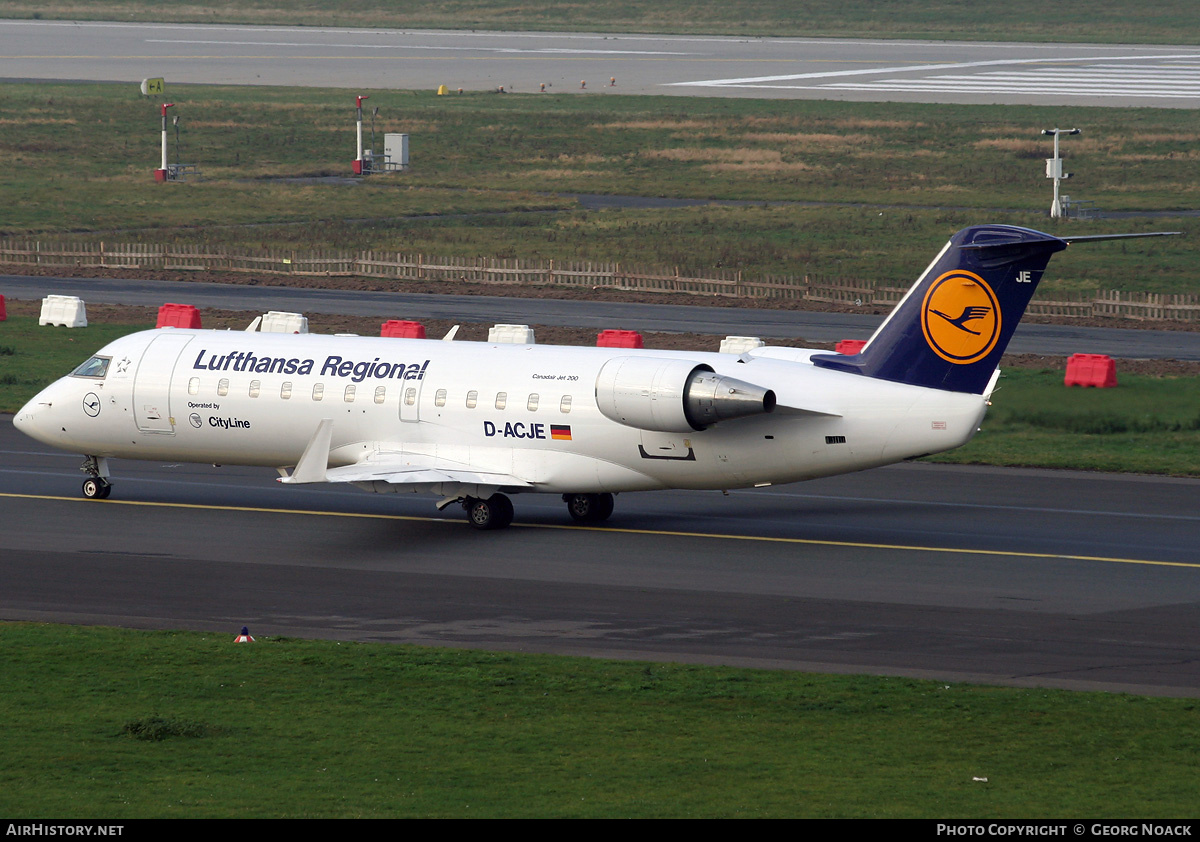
(809,68)
(770,324)
(1029,578)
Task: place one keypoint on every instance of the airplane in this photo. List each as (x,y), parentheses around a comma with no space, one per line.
(474,423)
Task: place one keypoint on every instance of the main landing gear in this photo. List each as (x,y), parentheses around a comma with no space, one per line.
(496,512)
(589,508)
(96,486)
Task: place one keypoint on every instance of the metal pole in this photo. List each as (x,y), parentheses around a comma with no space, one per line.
(1056,205)
(358,152)
(165,106)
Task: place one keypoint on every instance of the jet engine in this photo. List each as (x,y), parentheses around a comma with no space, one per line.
(674,396)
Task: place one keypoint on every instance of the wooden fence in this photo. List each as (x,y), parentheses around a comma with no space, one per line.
(587,274)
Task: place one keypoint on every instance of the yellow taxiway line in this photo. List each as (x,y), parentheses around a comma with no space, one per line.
(668,533)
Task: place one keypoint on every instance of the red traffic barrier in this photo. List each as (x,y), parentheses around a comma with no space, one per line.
(619,339)
(1097,370)
(850,346)
(3,312)
(178,315)
(397,329)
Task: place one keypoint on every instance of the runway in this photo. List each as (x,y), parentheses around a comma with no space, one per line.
(599,63)
(1029,578)
(670,318)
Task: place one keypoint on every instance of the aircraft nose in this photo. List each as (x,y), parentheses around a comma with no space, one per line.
(31,418)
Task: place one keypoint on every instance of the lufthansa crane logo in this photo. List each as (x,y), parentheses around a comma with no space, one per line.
(961,317)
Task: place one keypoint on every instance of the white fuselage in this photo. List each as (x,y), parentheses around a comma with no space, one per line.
(527,411)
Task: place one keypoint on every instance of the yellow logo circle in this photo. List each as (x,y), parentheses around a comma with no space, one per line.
(961,317)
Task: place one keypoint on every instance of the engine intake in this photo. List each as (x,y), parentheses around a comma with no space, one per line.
(674,396)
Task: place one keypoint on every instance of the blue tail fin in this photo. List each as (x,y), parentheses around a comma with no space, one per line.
(952,326)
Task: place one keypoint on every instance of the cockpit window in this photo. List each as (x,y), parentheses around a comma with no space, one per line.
(96,367)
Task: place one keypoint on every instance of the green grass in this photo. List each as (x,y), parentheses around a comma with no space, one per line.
(1158,21)
(32,357)
(127,724)
(484,167)
(1145,425)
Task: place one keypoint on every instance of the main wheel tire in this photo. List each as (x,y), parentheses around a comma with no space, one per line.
(589,508)
(496,512)
(96,488)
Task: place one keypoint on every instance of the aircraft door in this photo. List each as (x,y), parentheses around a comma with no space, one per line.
(410,400)
(152,384)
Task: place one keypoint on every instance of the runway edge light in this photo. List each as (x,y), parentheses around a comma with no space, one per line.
(244,637)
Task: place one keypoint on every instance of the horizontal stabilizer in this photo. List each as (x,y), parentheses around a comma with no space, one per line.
(1094,238)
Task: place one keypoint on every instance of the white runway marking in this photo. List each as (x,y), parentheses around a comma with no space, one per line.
(1099,76)
(399,46)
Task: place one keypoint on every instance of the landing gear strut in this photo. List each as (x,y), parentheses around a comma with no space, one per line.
(496,512)
(96,486)
(589,508)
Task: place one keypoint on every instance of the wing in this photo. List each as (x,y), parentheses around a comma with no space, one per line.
(398,471)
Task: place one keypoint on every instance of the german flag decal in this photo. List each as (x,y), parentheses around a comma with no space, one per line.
(561,432)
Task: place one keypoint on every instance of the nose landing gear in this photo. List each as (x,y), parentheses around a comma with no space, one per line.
(96,486)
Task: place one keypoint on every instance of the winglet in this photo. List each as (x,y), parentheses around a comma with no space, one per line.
(315,461)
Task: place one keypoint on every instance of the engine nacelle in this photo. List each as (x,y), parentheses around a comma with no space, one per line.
(674,396)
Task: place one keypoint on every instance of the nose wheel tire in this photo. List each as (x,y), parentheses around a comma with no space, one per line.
(96,488)
(589,508)
(496,512)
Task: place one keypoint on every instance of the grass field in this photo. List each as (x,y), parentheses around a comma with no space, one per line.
(1145,425)
(129,724)
(1157,21)
(487,169)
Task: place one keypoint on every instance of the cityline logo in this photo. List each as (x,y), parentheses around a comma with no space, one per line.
(961,317)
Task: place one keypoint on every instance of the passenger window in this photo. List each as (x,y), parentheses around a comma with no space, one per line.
(285,391)
(410,396)
(472,399)
(223,387)
(318,391)
(380,393)
(501,400)
(194,386)
(255,388)
(565,404)
(350,393)
(439,398)
(532,403)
